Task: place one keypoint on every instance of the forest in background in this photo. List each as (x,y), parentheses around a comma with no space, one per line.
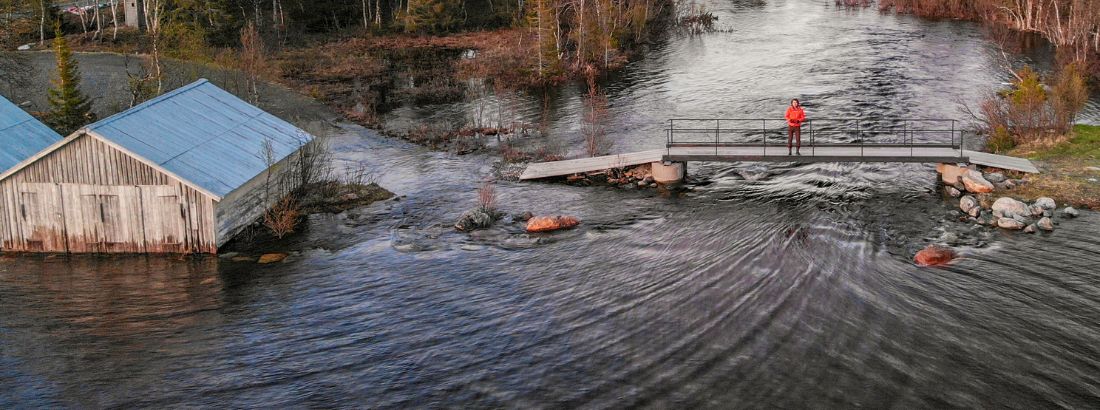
(1071,26)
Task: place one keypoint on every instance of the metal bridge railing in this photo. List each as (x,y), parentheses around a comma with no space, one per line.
(819,132)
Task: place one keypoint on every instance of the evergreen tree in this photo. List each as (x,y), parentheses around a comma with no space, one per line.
(70,109)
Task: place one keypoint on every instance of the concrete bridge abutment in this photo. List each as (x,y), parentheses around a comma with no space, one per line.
(669,172)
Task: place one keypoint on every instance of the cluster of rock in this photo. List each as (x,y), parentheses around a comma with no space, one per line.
(640,176)
(1012,214)
(959,180)
(482,218)
(975,190)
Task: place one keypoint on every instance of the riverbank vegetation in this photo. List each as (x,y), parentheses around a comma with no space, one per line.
(365,58)
(1070,168)
(1072,26)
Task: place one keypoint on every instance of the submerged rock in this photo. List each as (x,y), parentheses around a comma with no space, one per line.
(1070,212)
(1030,229)
(271,258)
(551,223)
(477,218)
(934,255)
(953,192)
(1045,224)
(1009,223)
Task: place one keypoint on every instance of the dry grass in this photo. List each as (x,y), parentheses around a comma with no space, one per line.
(1065,163)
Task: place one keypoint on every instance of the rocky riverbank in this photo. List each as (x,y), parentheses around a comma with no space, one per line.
(989,199)
(984,199)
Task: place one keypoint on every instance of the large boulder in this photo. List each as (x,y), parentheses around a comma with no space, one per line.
(474,219)
(1009,223)
(934,255)
(551,223)
(950,174)
(995,177)
(974,182)
(1046,203)
(1008,207)
(967,203)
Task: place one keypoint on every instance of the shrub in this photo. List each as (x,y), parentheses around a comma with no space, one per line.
(1000,140)
(593,125)
(282,217)
(1068,96)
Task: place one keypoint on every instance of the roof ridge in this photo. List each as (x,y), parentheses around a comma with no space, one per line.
(137,108)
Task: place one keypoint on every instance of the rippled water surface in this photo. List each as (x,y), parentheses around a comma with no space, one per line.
(768,286)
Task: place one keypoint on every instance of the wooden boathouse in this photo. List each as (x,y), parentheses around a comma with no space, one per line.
(182,173)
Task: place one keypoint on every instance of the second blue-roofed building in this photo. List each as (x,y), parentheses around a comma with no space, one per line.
(21,135)
(182,173)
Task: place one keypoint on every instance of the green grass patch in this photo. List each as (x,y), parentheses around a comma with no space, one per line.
(1083,145)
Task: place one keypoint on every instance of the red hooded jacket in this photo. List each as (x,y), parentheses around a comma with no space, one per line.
(795,116)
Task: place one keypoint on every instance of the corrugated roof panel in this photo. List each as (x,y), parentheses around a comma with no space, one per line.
(203,134)
(21,135)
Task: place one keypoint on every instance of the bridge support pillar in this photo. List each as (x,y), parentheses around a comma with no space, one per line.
(669,172)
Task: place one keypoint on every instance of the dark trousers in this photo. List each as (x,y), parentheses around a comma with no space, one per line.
(794,134)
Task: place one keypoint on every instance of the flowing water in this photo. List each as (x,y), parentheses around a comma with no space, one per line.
(767,286)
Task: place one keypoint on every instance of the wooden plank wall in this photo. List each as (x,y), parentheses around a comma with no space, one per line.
(119,183)
(247,204)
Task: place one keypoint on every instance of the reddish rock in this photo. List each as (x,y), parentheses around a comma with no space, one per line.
(551,223)
(950,173)
(271,258)
(975,183)
(934,255)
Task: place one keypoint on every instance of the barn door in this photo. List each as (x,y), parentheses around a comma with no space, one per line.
(105,219)
(165,218)
(39,210)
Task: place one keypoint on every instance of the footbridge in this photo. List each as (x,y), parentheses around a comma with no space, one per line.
(823,140)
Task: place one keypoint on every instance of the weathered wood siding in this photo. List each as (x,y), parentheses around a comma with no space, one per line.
(89,197)
(246,204)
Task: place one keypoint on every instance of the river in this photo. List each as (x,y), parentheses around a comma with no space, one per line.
(767,286)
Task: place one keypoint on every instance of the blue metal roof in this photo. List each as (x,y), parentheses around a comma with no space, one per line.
(21,135)
(203,134)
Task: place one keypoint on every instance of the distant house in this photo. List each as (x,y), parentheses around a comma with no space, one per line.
(182,173)
(134,13)
(21,135)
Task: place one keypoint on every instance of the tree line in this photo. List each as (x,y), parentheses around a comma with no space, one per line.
(1073,26)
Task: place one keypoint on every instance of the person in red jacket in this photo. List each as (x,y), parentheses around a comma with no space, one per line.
(795,117)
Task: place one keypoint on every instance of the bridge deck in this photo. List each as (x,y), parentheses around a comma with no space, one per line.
(754,153)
